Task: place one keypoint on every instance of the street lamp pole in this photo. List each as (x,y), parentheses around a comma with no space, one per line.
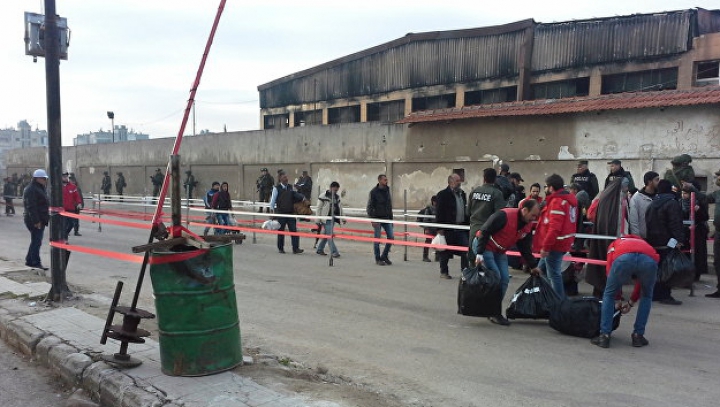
(111,116)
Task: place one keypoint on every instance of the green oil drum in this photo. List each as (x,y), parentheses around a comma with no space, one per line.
(197,311)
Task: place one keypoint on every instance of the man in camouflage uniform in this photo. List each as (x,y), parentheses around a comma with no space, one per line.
(106,183)
(681,171)
(157,181)
(265,184)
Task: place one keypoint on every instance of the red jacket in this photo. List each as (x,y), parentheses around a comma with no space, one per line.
(71,197)
(556,226)
(508,236)
(630,244)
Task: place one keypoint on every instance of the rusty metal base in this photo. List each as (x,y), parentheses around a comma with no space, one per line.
(122,361)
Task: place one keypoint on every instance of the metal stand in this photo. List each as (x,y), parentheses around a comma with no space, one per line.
(126,333)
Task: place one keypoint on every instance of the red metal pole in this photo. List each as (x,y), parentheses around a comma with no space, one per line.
(191,100)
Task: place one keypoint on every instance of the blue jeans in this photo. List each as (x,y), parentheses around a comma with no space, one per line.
(498,262)
(623,268)
(36,237)
(389,235)
(292,226)
(222,219)
(551,266)
(329,224)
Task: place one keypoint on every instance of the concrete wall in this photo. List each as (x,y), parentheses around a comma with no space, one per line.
(417,159)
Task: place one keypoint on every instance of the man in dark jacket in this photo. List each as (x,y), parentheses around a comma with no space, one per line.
(9,194)
(715,198)
(106,183)
(379,206)
(617,171)
(157,181)
(120,184)
(451,211)
(36,217)
(663,222)
(484,201)
(265,184)
(681,171)
(586,179)
(282,202)
(304,185)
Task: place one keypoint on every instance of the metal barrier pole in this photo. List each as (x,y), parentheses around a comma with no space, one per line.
(405,214)
(99,214)
(253,223)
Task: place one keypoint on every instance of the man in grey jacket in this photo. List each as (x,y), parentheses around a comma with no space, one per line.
(640,202)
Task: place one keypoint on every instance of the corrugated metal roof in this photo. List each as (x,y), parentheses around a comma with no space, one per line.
(620,101)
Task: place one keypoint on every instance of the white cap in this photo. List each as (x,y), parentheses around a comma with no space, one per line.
(40,174)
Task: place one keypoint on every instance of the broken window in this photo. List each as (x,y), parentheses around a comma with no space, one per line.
(386,112)
(276,121)
(307,118)
(487,96)
(349,114)
(707,73)
(560,89)
(433,102)
(643,81)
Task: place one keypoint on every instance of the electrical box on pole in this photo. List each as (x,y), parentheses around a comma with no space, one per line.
(35,35)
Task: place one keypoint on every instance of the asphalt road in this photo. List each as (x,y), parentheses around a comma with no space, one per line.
(396,330)
(24,384)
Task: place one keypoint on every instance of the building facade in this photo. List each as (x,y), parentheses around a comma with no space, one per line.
(520,61)
(107,136)
(21,137)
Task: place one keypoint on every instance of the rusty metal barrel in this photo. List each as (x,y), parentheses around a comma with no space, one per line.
(196,311)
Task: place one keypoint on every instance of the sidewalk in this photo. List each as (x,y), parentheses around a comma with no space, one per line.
(67,341)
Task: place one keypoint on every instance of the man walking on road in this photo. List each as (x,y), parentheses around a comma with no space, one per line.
(282,202)
(379,206)
(37,216)
(451,204)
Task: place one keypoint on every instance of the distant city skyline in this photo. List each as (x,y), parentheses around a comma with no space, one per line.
(138,58)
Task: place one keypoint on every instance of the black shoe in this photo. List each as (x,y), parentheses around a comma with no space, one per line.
(446,276)
(321,253)
(281,251)
(386,260)
(427,259)
(77,234)
(500,320)
(670,301)
(298,251)
(602,340)
(638,340)
(716,294)
(380,263)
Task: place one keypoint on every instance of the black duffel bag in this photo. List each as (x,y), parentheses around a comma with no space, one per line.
(676,270)
(534,300)
(579,316)
(479,293)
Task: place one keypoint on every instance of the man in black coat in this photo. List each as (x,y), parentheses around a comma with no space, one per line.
(379,206)
(664,222)
(586,179)
(37,216)
(451,204)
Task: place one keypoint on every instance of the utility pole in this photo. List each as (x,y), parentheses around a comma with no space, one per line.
(58,257)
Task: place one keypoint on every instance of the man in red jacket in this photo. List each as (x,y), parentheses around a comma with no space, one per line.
(628,257)
(556,230)
(504,229)
(72,202)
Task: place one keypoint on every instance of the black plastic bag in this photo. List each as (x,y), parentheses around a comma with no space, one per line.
(677,269)
(580,316)
(534,299)
(479,293)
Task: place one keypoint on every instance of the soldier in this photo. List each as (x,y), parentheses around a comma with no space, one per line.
(120,184)
(9,193)
(106,183)
(189,183)
(681,171)
(265,184)
(157,181)
(304,185)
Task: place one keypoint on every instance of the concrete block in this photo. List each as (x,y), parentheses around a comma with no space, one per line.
(24,336)
(73,367)
(134,396)
(43,348)
(112,387)
(93,377)
(80,398)
(5,319)
(56,357)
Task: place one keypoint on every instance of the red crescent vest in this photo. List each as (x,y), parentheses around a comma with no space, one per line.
(504,239)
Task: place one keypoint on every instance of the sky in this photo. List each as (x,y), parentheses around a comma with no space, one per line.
(139,58)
